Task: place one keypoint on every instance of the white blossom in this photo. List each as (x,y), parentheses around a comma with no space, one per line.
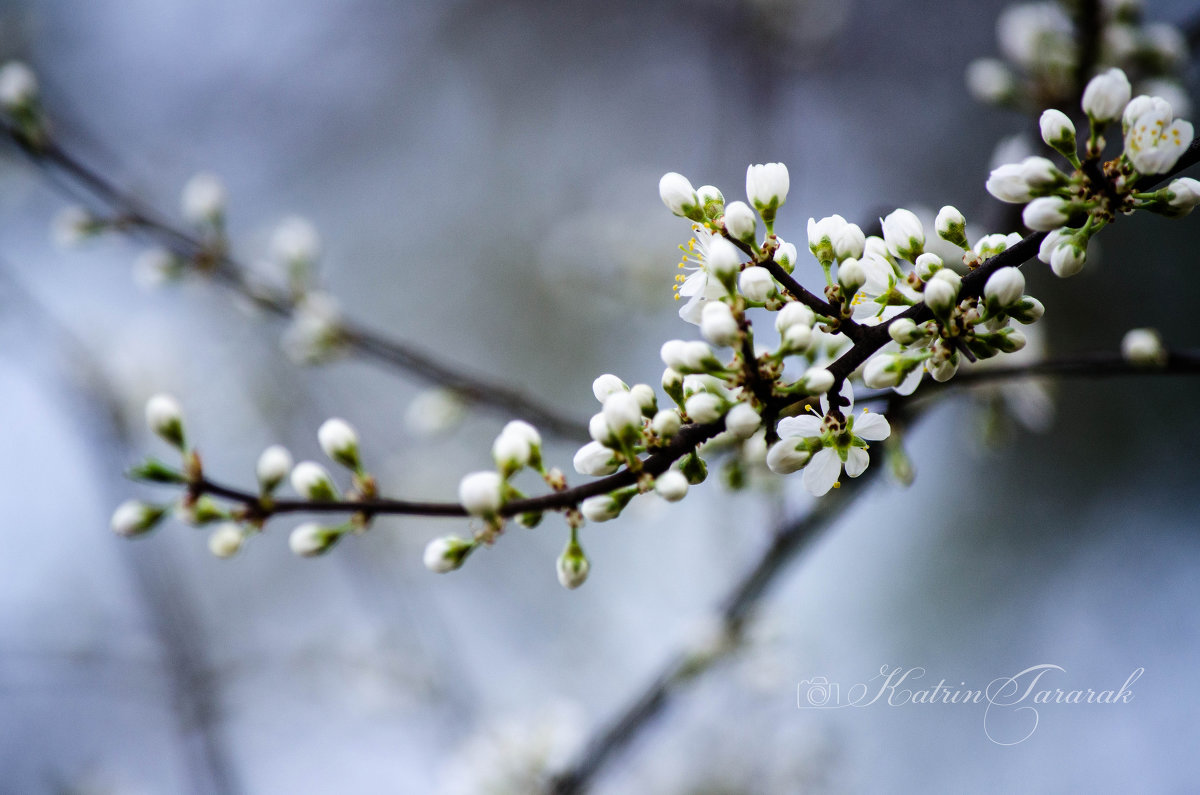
(696,283)
(1154,140)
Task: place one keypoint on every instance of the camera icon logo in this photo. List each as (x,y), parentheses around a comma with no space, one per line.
(818,693)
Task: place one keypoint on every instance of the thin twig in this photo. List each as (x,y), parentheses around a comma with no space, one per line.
(132,216)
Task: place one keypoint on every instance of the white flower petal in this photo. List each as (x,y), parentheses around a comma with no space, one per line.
(872,427)
(856,461)
(822,472)
(804,425)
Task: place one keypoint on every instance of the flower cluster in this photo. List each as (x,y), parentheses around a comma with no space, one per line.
(1044,47)
(1072,207)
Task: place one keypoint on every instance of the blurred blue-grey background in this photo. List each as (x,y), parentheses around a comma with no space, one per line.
(484,179)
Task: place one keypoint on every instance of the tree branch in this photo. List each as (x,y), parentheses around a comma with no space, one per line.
(130,215)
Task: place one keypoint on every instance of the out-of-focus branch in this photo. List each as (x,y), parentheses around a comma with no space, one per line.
(128,214)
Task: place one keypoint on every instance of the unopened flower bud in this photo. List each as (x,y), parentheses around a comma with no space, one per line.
(623,414)
(595,459)
(604,507)
(712,201)
(767,187)
(671,485)
(951,226)
(705,407)
(1068,258)
(1106,96)
(480,493)
(1007,183)
(18,87)
(718,325)
(940,296)
(851,275)
(311,481)
(740,223)
(446,553)
(881,372)
(679,196)
(788,455)
(794,313)
(903,233)
(817,380)
(1058,131)
(756,283)
(644,395)
(164,416)
(1046,213)
(724,261)
(204,199)
(572,566)
(1143,346)
(311,539)
(295,241)
(226,540)
(606,385)
(904,331)
(666,423)
(340,442)
(134,517)
(927,265)
(1004,288)
(742,421)
(273,467)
